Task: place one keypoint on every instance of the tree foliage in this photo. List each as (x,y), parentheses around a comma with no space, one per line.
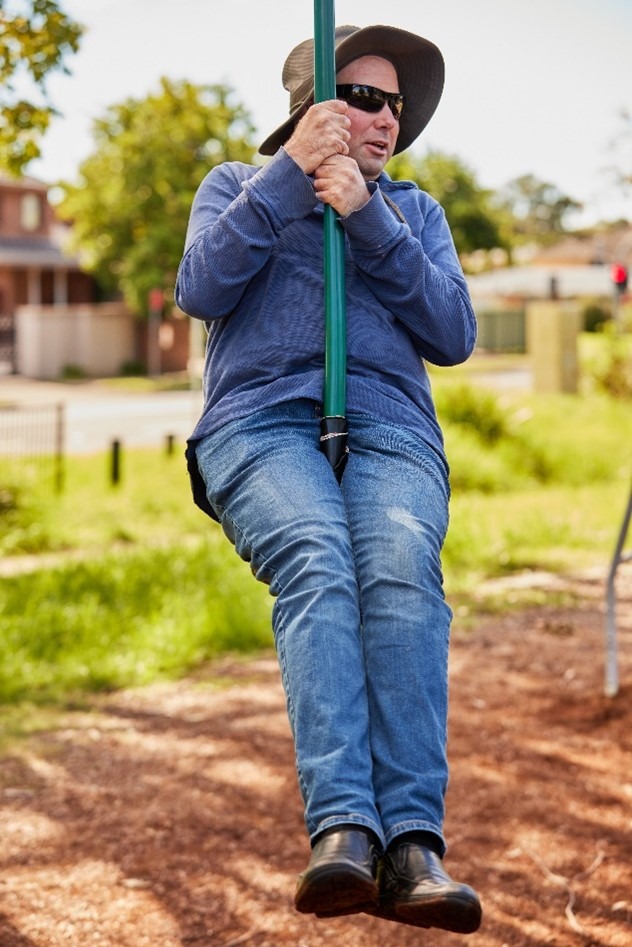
(131,204)
(475,223)
(621,149)
(539,209)
(36,38)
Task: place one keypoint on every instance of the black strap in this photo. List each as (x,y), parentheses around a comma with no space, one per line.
(396,210)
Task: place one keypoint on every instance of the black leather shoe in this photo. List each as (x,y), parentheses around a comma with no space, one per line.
(340,877)
(415,889)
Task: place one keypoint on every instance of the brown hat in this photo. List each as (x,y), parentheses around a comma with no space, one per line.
(419,66)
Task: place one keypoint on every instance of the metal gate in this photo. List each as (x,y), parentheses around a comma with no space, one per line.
(32,451)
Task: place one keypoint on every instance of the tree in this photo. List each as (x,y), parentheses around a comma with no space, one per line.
(475,223)
(621,149)
(539,208)
(131,204)
(35,40)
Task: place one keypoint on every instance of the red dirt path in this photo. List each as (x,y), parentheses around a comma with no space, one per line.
(169,816)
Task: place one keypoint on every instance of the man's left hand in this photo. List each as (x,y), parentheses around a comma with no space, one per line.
(338,181)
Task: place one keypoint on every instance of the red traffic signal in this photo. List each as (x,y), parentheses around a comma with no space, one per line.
(619,276)
(156,300)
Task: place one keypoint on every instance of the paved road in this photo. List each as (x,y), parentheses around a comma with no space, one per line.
(95,415)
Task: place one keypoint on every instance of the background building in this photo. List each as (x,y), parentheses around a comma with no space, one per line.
(34,268)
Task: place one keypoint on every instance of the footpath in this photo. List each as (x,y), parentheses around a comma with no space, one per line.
(95,413)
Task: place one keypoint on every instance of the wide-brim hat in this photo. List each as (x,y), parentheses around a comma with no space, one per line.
(418,62)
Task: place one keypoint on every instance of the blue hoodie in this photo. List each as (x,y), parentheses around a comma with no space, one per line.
(253,271)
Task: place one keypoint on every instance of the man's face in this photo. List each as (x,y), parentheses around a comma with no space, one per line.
(373,134)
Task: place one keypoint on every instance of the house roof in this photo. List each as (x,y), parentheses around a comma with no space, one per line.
(24,182)
(576,266)
(24,252)
(613,245)
(536,282)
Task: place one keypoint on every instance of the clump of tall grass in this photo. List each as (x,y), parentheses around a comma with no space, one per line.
(126,619)
(538,482)
(22,520)
(497,444)
(612,372)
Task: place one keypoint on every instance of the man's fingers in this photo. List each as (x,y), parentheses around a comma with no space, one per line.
(323,131)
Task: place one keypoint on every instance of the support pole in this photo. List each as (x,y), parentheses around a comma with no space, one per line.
(60,417)
(115,463)
(611,684)
(334,427)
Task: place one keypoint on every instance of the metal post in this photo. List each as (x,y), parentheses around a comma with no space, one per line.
(156,303)
(115,463)
(333,438)
(59,447)
(334,245)
(611,686)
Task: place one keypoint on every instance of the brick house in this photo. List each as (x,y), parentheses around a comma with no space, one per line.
(49,315)
(34,269)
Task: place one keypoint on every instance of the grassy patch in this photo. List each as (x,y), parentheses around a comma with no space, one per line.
(538,482)
(152,504)
(125,619)
(138,585)
(557,529)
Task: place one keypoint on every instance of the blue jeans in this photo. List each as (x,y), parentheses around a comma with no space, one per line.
(360,622)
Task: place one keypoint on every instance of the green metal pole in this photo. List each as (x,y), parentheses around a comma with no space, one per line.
(334,437)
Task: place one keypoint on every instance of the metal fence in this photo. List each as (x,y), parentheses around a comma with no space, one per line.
(32,446)
(501,330)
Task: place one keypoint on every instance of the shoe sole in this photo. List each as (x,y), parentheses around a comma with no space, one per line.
(459,915)
(332,891)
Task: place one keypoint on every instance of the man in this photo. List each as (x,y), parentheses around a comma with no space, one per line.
(360,622)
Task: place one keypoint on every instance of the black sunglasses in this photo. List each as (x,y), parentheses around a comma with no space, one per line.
(370,99)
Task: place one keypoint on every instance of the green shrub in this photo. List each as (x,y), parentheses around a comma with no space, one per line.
(595,315)
(9,499)
(500,444)
(606,361)
(615,376)
(133,369)
(473,408)
(73,373)
(23,528)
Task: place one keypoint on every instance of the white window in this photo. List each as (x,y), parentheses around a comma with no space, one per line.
(30,212)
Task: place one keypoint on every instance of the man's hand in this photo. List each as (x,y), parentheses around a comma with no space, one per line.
(339,182)
(323,131)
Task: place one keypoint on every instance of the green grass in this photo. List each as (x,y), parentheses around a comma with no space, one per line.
(152,504)
(538,482)
(126,619)
(138,585)
(157,590)
(559,529)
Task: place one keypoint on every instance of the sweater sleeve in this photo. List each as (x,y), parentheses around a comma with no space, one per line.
(236,217)
(416,276)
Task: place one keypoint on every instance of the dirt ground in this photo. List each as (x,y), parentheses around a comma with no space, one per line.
(170,816)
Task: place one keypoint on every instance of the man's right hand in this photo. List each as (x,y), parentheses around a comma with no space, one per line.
(323,131)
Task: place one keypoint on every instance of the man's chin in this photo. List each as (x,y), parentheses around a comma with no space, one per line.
(371,168)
